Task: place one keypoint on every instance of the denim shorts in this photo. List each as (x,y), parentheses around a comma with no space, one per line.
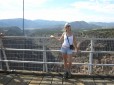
(66,50)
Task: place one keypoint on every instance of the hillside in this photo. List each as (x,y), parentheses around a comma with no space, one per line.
(99,33)
(11,31)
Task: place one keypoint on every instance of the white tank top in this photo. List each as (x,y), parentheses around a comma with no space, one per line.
(66,43)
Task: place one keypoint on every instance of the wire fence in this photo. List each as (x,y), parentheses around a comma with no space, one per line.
(96,55)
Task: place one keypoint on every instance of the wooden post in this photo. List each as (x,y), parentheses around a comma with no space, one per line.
(3,51)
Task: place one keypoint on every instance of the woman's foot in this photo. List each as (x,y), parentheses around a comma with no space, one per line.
(69,74)
(65,75)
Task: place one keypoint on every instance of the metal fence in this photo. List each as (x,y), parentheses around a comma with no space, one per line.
(96,55)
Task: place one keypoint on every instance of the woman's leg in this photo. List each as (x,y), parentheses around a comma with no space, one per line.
(65,61)
(65,66)
(69,65)
(69,61)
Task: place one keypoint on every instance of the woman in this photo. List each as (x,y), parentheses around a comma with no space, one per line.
(69,39)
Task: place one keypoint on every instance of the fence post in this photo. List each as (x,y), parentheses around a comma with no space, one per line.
(45,69)
(0,53)
(4,54)
(91,57)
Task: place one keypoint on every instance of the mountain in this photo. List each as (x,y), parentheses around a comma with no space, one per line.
(104,24)
(30,23)
(83,25)
(39,24)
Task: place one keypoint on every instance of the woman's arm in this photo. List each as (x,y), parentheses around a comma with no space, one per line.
(59,39)
(75,43)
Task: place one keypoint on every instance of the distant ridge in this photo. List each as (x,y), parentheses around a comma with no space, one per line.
(50,24)
(83,25)
(30,23)
(104,24)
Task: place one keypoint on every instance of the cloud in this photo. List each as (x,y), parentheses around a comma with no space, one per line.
(96,10)
(18,4)
(65,14)
(10,4)
(100,6)
(14,8)
(34,3)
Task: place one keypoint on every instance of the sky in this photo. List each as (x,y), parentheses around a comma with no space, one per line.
(59,10)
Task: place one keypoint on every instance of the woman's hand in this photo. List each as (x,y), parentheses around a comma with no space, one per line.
(77,50)
(52,36)
(1,35)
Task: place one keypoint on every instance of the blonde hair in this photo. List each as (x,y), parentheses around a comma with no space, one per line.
(66,24)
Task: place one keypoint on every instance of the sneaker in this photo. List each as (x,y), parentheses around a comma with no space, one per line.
(65,75)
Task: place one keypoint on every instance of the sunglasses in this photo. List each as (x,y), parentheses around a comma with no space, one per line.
(68,26)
